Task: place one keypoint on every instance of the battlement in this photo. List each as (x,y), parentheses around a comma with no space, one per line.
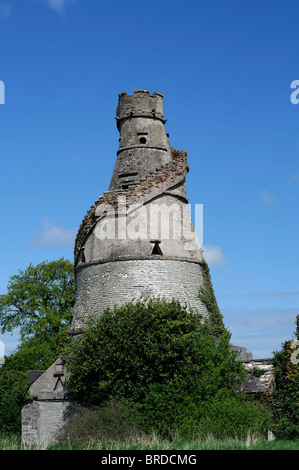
(140,104)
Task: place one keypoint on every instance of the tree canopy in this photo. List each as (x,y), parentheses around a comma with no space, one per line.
(39,300)
(284,402)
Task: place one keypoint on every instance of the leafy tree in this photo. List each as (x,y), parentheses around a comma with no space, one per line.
(285,399)
(160,358)
(13,395)
(39,300)
(34,354)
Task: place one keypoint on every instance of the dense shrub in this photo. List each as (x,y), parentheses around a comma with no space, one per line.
(173,410)
(127,349)
(164,360)
(284,402)
(170,409)
(13,395)
(112,421)
(229,415)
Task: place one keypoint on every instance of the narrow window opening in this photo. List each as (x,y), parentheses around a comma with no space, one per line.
(82,255)
(156,249)
(125,175)
(126,184)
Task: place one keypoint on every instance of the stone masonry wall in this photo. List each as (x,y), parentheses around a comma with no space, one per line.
(42,420)
(170,175)
(30,423)
(115,283)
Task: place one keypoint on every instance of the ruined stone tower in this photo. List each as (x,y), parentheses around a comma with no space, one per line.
(138,240)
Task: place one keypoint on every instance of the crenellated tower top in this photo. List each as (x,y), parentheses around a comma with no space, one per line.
(140,104)
(143,142)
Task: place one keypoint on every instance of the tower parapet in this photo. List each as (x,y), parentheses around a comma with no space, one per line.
(143,142)
(141,103)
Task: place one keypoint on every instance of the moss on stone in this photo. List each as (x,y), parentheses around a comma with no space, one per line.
(207,296)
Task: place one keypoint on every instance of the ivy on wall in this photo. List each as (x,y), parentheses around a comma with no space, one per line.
(207,296)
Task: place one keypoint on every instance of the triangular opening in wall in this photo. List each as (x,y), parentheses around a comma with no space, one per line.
(157,250)
(59,386)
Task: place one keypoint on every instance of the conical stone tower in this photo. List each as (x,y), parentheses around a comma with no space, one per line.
(138,240)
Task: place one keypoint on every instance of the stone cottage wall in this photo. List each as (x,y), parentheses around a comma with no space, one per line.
(42,420)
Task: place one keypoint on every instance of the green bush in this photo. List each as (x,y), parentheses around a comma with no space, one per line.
(284,402)
(168,364)
(13,396)
(112,421)
(170,410)
(229,415)
(128,349)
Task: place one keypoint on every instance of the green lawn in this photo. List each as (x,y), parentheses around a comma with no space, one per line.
(13,443)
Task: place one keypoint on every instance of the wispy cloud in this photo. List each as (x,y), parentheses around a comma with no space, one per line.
(53,235)
(5,8)
(262,331)
(59,5)
(213,255)
(264,295)
(295,178)
(267,197)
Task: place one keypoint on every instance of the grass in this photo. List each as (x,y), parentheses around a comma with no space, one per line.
(154,443)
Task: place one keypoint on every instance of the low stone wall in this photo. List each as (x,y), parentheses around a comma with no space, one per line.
(42,421)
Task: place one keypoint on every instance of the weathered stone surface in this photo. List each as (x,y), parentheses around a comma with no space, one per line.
(108,284)
(43,420)
(261,377)
(149,259)
(50,385)
(169,179)
(116,254)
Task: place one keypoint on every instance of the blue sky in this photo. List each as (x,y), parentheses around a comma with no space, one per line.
(225,69)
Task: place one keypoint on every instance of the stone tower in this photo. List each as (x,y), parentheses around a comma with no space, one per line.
(137,240)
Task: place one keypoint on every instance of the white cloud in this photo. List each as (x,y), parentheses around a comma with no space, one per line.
(267,197)
(59,5)
(5,8)
(53,235)
(213,255)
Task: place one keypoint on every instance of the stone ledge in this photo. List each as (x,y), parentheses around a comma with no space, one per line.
(138,258)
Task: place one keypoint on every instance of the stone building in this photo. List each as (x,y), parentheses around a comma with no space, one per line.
(137,241)
(43,418)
